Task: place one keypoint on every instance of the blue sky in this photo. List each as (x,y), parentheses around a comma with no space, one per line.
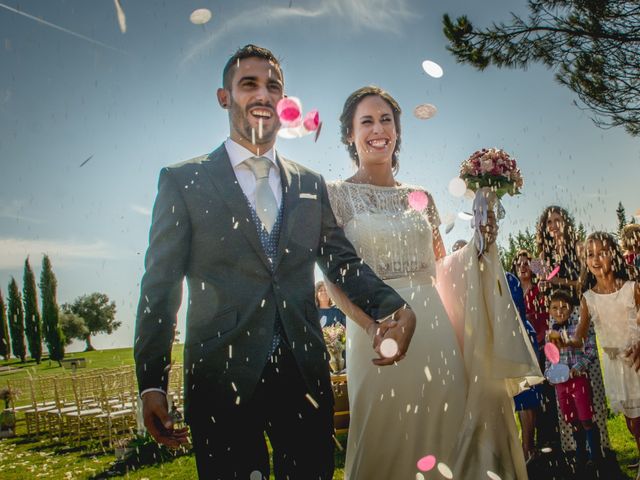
(144,99)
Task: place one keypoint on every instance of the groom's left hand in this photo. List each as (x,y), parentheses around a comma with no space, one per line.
(401,330)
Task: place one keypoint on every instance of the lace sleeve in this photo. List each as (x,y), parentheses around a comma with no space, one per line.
(339,199)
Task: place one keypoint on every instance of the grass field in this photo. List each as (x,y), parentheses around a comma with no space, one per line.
(22,457)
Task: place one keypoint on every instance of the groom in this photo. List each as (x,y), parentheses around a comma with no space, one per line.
(245,226)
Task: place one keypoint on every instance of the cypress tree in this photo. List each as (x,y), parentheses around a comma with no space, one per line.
(5,346)
(16,321)
(53,335)
(32,322)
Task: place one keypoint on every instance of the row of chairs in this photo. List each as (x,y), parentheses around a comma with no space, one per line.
(96,405)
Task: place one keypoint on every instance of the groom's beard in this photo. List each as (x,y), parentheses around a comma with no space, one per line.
(240,121)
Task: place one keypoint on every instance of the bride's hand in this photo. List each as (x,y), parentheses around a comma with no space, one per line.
(400,329)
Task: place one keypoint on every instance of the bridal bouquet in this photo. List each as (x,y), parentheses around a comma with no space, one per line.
(492,168)
(335,338)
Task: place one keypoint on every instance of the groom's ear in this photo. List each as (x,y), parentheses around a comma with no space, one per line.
(223,97)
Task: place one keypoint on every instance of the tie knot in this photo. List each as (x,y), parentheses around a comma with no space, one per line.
(259,166)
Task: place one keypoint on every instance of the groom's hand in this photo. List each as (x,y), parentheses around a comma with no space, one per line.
(400,329)
(158,422)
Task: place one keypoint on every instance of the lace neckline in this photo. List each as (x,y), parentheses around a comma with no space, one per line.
(378,187)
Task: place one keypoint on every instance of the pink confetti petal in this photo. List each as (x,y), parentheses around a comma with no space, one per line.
(426,463)
(289,109)
(311,120)
(553,273)
(552,352)
(418,200)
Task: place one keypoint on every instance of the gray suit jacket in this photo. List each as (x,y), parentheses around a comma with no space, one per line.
(202,229)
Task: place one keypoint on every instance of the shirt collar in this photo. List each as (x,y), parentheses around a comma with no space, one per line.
(238,154)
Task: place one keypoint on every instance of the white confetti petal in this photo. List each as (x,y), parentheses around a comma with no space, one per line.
(432,69)
(200,17)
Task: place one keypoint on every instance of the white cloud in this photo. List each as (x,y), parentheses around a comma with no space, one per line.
(13,210)
(381,15)
(141,210)
(13,251)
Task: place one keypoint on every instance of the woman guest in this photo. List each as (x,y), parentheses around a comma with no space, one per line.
(534,301)
(328,313)
(556,241)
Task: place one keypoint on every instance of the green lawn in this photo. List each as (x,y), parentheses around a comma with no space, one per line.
(21,457)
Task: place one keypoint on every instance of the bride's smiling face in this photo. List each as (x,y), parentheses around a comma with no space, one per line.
(374,131)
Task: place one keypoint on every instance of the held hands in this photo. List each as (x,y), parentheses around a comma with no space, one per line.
(399,328)
(158,422)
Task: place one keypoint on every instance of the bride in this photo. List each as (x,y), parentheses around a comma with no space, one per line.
(436,401)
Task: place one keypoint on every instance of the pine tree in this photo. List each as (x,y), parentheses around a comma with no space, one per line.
(32,322)
(621,214)
(592,46)
(16,321)
(5,346)
(53,335)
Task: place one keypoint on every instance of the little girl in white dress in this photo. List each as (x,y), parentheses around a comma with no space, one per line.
(611,301)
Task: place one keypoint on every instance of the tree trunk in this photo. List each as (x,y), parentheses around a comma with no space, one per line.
(89,346)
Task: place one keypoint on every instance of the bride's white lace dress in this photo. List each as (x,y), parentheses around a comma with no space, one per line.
(421,405)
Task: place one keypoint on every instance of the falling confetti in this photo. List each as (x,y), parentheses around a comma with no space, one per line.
(432,69)
(426,463)
(289,110)
(448,217)
(465,216)
(557,373)
(85,162)
(200,16)
(552,352)
(553,273)
(445,471)
(293,132)
(536,266)
(311,120)
(255,475)
(493,476)
(449,227)
(419,476)
(122,19)
(388,348)
(457,187)
(315,139)
(418,200)
(425,111)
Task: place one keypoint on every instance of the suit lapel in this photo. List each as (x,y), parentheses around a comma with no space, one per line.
(220,173)
(290,179)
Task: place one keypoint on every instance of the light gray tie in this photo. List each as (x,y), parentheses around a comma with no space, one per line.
(266,205)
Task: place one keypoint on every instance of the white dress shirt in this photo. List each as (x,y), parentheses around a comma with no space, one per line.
(247,181)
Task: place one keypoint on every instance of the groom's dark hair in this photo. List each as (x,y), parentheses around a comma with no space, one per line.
(248,51)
